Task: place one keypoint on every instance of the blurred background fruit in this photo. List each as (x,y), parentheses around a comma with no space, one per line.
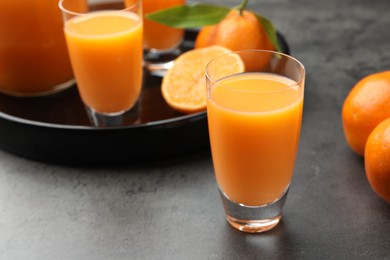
(367,104)
(377,160)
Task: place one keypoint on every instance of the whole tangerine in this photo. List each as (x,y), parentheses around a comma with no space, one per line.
(366,105)
(205,37)
(239,30)
(377,160)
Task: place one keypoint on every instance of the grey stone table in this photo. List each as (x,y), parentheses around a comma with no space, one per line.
(172,210)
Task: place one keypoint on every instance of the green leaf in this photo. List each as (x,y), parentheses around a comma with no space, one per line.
(270,30)
(190,16)
(198,15)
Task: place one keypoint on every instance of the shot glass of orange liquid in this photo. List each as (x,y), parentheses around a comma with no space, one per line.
(161,42)
(105,48)
(254,122)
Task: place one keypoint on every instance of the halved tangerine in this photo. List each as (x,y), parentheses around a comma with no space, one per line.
(184,85)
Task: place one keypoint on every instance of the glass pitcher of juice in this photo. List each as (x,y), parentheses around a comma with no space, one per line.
(33,55)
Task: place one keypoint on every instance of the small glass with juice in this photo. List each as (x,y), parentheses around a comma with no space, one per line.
(105,48)
(254,122)
(161,42)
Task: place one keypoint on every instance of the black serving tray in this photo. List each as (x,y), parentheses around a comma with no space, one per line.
(56,128)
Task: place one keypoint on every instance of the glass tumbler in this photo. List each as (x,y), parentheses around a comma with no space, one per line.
(105,48)
(161,42)
(254,120)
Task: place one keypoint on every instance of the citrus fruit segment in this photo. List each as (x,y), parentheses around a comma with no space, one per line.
(184,85)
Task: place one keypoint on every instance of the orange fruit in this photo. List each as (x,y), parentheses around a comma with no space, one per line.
(237,31)
(366,105)
(205,37)
(377,160)
(184,85)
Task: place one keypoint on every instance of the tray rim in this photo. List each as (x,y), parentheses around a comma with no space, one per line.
(94,128)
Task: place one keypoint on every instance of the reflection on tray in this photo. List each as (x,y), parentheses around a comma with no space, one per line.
(66,107)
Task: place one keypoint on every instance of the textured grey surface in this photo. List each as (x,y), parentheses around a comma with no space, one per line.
(171,209)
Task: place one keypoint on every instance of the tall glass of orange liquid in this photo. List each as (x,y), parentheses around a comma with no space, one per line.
(105,48)
(254,122)
(161,42)
(33,56)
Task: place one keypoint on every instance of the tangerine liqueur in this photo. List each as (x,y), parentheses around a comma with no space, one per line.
(254,126)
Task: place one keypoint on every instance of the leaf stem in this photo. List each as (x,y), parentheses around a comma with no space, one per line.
(242,6)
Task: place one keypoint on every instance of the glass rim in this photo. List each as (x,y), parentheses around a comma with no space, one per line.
(126,8)
(296,82)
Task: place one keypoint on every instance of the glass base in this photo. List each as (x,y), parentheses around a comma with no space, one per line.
(253,219)
(157,62)
(114,119)
(158,69)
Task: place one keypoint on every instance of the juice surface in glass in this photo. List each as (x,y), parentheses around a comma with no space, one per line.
(33,54)
(158,36)
(106,53)
(254,126)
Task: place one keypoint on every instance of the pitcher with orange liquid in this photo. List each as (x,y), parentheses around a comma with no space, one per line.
(254,123)
(33,56)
